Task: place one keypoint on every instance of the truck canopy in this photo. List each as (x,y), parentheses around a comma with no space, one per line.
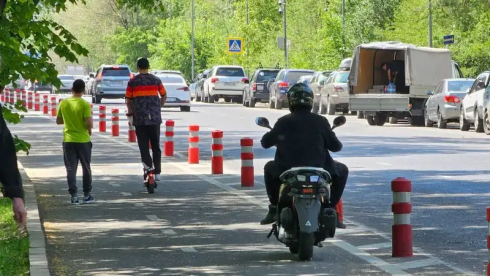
(423,66)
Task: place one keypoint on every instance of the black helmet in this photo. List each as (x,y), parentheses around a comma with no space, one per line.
(300,94)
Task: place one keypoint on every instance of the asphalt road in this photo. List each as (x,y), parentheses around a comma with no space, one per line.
(200,224)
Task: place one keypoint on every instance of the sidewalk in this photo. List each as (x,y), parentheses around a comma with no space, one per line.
(189,227)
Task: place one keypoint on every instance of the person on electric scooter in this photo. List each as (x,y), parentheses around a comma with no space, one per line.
(303,139)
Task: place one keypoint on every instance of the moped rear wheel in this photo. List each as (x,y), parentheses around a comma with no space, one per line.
(294,248)
(306,242)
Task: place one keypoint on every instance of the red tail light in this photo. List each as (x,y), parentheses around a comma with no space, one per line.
(214,80)
(244,79)
(337,88)
(451,99)
(254,87)
(284,84)
(115,67)
(184,88)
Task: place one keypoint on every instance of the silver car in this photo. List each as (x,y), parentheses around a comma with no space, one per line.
(66,84)
(110,82)
(444,103)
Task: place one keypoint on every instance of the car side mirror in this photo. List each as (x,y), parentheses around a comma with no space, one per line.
(339,121)
(205,76)
(263,122)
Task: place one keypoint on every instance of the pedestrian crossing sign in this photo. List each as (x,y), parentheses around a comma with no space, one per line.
(235,45)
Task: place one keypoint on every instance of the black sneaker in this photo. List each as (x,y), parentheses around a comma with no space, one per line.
(271,216)
(88,199)
(74,200)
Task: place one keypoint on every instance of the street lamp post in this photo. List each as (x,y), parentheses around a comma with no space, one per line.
(246,8)
(282,9)
(343,22)
(192,36)
(430,24)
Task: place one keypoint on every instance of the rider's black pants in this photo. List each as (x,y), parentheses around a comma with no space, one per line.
(146,135)
(273,183)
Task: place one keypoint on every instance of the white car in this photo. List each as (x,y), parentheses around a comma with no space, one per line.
(178,94)
(225,81)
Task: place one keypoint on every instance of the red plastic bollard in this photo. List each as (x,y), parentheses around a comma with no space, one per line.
(193,144)
(13,95)
(168,145)
(37,102)
(45,104)
(217,152)
(24,96)
(247,156)
(30,103)
(340,210)
(102,119)
(488,241)
(401,208)
(6,92)
(91,109)
(115,122)
(53,106)
(2,95)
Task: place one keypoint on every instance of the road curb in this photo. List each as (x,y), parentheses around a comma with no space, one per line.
(38,260)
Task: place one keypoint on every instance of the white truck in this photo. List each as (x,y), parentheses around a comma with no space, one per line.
(424,69)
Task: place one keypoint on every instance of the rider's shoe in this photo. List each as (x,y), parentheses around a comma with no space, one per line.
(271,216)
(341,225)
(157,177)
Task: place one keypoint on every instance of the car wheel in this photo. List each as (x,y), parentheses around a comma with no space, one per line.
(441,123)
(251,103)
(486,123)
(478,123)
(185,108)
(427,122)
(463,123)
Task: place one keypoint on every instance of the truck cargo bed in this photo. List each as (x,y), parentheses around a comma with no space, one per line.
(379,102)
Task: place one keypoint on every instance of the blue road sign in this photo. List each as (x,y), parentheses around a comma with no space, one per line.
(448,39)
(234,45)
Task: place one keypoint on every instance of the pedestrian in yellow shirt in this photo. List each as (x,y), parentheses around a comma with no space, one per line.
(75,114)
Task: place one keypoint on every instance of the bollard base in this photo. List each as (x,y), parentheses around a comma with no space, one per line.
(45,110)
(247,177)
(217,165)
(402,240)
(102,127)
(193,156)
(115,130)
(168,148)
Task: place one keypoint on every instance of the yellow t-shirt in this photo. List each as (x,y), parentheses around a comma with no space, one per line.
(74,111)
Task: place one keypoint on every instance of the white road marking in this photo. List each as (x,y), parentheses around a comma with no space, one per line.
(418,264)
(125,194)
(152,217)
(383,163)
(188,249)
(139,204)
(375,246)
(115,185)
(168,232)
(363,254)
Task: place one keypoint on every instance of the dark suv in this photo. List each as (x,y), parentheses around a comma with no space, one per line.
(257,90)
(285,79)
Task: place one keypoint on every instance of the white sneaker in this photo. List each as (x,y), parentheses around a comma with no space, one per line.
(157,177)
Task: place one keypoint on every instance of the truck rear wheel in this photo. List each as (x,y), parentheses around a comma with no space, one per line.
(393,120)
(370,120)
(379,119)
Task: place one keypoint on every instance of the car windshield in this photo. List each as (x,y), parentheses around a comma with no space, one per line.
(293,76)
(172,78)
(230,72)
(116,72)
(459,86)
(66,77)
(266,75)
(342,77)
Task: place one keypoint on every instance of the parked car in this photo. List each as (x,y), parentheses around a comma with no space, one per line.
(304,79)
(316,84)
(201,78)
(66,84)
(444,104)
(192,89)
(472,111)
(335,94)
(225,81)
(178,94)
(257,90)
(285,78)
(41,86)
(110,83)
(159,72)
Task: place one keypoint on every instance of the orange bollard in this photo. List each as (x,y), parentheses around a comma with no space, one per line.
(115,122)
(168,145)
(53,106)
(29,100)
(24,96)
(247,156)
(102,119)
(193,151)
(217,152)
(2,95)
(401,208)
(37,102)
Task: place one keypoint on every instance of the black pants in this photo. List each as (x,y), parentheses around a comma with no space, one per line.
(146,135)
(72,153)
(273,183)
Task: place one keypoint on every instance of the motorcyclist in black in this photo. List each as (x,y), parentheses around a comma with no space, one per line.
(302,139)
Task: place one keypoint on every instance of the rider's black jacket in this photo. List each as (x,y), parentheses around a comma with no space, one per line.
(9,172)
(303,139)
